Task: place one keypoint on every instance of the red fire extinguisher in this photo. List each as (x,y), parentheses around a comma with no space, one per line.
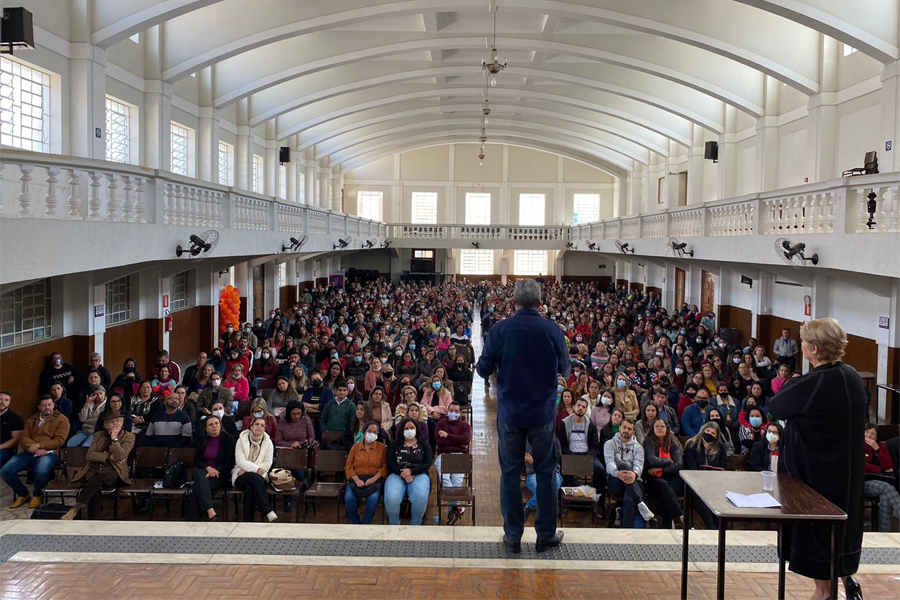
(168,323)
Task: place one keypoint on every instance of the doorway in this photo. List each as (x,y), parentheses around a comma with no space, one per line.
(708,292)
(679,288)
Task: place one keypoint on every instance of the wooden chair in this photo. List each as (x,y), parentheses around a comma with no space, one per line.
(580,467)
(330,437)
(739,462)
(292,459)
(326,461)
(456,464)
(176,455)
(72,459)
(151,460)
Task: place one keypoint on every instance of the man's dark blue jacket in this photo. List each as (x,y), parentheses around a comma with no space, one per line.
(527,352)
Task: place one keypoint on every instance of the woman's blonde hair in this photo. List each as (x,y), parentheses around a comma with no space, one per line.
(828,336)
(260,403)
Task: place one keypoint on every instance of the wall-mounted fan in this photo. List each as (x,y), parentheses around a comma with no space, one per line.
(476,245)
(624,248)
(296,243)
(572,245)
(201,245)
(592,246)
(679,249)
(794,254)
(387,243)
(343,243)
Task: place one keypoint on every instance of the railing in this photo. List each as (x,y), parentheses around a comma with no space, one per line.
(508,233)
(836,206)
(40,186)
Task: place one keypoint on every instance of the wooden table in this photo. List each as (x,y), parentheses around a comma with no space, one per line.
(799,503)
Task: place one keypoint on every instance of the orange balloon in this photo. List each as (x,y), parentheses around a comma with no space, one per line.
(229,288)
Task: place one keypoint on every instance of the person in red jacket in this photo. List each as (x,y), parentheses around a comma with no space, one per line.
(881,479)
(452,436)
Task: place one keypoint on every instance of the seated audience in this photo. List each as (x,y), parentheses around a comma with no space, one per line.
(578,435)
(107,464)
(253,457)
(452,436)
(169,428)
(663,459)
(881,478)
(88,417)
(214,393)
(704,451)
(42,436)
(259,410)
(366,471)
(409,458)
(624,465)
(336,415)
(11,427)
(764,453)
(237,383)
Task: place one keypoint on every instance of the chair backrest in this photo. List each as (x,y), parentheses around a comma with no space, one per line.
(456,464)
(150,457)
(291,458)
(266,392)
(183,455)
(331,436)
(243,408)
(331,461)
(887,432)
(577,465)
(871,163)
(74,458)
(739,462)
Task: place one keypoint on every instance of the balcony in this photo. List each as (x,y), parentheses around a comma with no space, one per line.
(43,196)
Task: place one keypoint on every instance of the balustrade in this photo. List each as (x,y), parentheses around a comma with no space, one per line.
(653,226)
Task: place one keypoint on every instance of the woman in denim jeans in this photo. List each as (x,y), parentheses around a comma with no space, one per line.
(408,460)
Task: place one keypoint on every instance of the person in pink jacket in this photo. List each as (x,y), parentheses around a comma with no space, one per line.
(437,399)
(238,383)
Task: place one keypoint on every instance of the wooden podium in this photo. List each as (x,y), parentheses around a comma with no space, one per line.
(799,503)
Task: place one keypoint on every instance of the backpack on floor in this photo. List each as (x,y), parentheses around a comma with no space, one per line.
(50,512)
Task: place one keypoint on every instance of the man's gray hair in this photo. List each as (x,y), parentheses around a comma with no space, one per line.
(527,293)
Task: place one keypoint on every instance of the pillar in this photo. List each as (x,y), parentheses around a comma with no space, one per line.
(243,148)
(337,204)
(695,166)
(889,160)
(310,178)
(87,86)
(292,172)
(323,178)
(270,169)
(726,175)
(207,129)
(157,113)
(822,122)
(767,139)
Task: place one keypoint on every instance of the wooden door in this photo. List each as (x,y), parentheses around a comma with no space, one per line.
(679,288)
(708,292)
(259,292)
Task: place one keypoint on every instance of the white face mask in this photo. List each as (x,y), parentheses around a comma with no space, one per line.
(258,415)
(219,413)
(409,433)
(454,416)
(216,383)
(772,437)
(371,437)
(606,401)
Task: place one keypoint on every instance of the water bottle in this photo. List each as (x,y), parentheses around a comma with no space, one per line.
(437,518)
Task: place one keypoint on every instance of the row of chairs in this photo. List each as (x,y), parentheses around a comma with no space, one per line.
(581,469)
(324,469)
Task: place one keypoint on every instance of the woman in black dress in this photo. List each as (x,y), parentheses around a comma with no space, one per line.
(824,447)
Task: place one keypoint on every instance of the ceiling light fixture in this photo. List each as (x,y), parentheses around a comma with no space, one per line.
(496,65)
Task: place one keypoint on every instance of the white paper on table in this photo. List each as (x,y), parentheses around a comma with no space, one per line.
(764,500)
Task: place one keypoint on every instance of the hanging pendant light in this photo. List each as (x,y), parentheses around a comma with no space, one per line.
(496,65)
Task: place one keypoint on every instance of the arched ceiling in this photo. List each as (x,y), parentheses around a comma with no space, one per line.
(607,82)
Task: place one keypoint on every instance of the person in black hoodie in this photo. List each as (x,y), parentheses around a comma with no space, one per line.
(57,370)
(213,461)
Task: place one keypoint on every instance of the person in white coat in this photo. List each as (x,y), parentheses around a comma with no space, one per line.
(253,456)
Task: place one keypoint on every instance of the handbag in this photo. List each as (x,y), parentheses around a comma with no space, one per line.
(366,490)
(281,479)
(175,475)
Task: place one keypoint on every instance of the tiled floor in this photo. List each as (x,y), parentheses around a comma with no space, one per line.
(66,581)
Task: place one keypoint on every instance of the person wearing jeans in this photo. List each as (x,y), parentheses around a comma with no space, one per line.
(527,352)
(531,477)
(408,460)
(366,466)
(43,435)
(624,463)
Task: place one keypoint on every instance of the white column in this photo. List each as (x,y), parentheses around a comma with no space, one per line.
(822,122)
(767,139)
(695,167)
(889,160)
(207,129)
(157,112)
(337,204)
(309,180)
(726,176)
(87,101)
(243,280)
(323,178)
(243,150)
(271,166)
(292,171)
